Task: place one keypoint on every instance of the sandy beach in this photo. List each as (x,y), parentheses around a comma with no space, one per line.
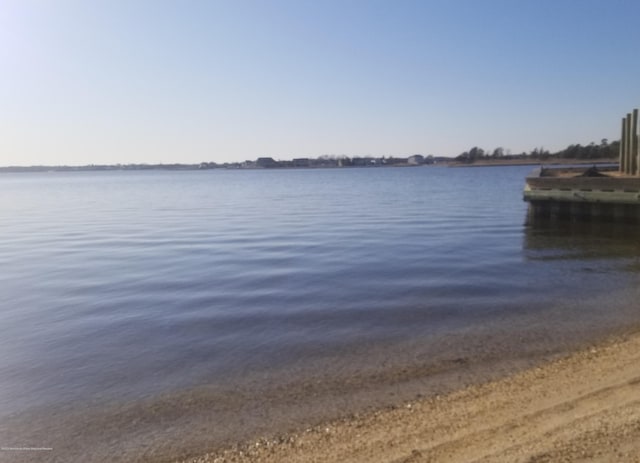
(581,407)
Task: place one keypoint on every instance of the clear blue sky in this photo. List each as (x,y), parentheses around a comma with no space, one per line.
(120,81)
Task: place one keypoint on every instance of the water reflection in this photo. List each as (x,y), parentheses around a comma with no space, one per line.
(546,239)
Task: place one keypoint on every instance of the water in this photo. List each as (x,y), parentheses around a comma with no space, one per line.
(119,288)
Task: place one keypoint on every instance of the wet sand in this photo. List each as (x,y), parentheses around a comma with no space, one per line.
(583,406)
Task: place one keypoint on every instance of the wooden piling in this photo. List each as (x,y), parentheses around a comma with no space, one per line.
(628,162)
(623,150)
(634,143)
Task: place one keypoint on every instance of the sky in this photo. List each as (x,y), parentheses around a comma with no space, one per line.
(157,81)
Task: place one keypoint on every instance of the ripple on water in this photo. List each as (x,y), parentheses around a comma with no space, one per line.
(120,286)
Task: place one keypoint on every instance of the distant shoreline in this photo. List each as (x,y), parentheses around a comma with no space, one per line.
(536,162)
(285,165)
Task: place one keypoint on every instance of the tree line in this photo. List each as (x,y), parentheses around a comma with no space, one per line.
(604,150)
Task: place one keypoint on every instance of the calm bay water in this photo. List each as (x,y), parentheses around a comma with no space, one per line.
(122,286)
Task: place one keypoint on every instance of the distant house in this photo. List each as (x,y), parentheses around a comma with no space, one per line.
(301,162)
(415,160)
(364,162)
(266,162)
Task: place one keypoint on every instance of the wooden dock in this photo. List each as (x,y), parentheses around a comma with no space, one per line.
(602,194)
(583,194)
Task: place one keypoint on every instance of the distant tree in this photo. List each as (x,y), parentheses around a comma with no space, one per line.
(471,156)
(498,152)
(476,153)
(540,153)
(604,150)
(463,157)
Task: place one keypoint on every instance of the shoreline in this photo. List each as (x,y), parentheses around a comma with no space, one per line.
(449,162)
(581,406)
(383,414)
(535,162)
(356,391)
